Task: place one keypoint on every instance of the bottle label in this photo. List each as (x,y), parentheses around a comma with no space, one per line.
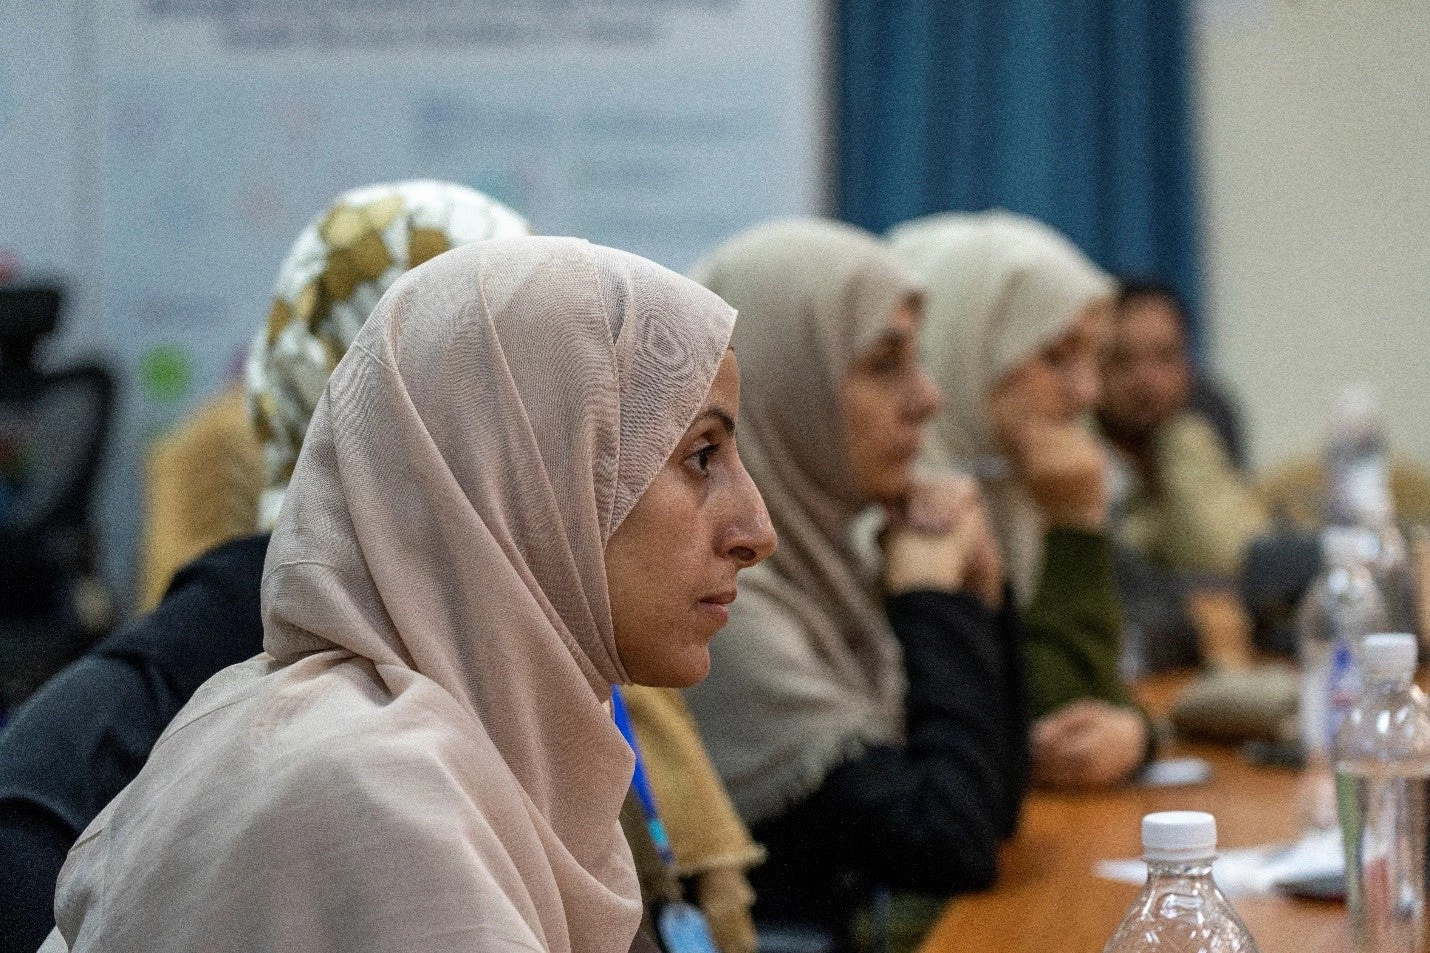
(1342,690)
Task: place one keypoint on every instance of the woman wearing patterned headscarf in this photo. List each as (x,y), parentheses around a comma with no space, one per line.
(867,718)
(1015,318)
(463,566)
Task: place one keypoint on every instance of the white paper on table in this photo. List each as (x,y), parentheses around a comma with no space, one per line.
(1253,871)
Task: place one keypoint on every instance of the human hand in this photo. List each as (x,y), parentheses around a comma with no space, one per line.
(1223,628)
(1064,468)
(940,538)
(1061,463)
(1088,744)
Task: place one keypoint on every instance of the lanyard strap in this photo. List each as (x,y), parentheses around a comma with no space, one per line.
(640,781)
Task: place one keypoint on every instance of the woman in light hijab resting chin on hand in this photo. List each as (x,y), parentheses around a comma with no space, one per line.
(865,708)
(1016,315)
(424,758)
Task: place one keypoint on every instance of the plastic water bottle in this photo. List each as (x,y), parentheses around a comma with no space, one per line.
(1342,607)
(1181,909)
(1382,777)
(1387,555)
(1358,494)
(1357,461)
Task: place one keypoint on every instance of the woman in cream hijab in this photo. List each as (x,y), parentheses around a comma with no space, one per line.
(225,464)
(463,566)
(867,717)
(1015,319)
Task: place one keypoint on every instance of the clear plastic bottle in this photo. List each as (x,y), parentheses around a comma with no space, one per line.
(1181,909)
(1387,555)
(1357,461)
(1358,494)
(1382,777)
(1342,607)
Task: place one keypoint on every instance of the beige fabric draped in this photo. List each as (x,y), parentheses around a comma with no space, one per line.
(424,758)
(808,671)
(1001,287)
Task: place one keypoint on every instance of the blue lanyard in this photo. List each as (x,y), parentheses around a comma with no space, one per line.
(640,781)
(682,927)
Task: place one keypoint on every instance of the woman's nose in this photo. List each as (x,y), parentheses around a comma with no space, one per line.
(926,398)
(1086,385)
(751,537)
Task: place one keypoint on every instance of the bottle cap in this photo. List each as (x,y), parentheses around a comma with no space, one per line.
(1357,410)
(1179,836)
(1389,654)
(1346,545)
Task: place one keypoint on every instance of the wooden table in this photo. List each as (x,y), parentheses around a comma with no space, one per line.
(1048,898)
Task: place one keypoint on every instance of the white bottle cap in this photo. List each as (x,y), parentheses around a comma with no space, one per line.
(1178,836)
(1389,654)
(1346,545)
(1357,410)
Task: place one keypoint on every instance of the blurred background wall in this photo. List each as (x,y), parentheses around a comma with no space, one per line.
(1314,120)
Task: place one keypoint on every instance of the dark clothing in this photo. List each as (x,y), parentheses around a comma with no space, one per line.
(1212,400)
(84,736)
(1160,633)
(1279,569)
(927,816)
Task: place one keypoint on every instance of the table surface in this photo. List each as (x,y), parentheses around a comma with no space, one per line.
(1048,898)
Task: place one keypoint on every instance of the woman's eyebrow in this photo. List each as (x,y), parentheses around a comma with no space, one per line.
(727,422)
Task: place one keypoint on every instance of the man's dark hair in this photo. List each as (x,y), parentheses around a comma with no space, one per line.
(1137,287)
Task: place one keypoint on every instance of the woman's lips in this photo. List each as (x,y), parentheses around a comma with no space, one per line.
(908,449)
(717,605)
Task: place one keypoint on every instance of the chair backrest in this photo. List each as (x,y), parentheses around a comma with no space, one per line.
(52,433)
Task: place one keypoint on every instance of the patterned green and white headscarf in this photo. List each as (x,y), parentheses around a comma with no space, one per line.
(329,283)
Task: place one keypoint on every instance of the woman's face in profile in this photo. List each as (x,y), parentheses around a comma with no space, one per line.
(1058,385)
(887,398)
(671,566)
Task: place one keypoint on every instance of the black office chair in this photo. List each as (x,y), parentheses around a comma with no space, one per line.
(53,428)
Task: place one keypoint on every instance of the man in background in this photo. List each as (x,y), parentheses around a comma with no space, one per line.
(1180,502)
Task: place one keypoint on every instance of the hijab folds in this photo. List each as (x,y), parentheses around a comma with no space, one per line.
(423,759)
(808,672)
(334,274)
(1001,288)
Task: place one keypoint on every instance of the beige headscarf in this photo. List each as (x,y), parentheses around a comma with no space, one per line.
(1001,287)
(424,759)
(808,671)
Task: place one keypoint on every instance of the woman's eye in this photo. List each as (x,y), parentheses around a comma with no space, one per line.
(703,456)
(888,363)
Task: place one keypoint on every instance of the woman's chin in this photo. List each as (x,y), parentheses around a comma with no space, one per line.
(679,671)
(893,486)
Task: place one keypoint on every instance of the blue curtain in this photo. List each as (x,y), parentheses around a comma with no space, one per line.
(1073,111)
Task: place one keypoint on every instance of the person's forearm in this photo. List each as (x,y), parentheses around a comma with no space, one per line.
(1073,626)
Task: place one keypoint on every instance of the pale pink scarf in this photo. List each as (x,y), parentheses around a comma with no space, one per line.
(423,760)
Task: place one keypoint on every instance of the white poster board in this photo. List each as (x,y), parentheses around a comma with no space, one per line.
(182,144)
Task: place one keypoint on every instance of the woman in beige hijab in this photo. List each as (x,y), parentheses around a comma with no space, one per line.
(1015,319)
(520,487)
(866,715)
(209,479)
